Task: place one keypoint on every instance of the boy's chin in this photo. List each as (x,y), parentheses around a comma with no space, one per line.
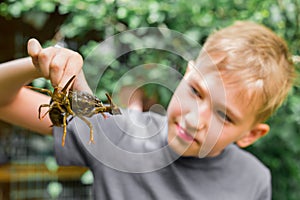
(190,150)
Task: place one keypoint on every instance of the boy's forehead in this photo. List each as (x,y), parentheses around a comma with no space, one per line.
(210,81)
(222,82)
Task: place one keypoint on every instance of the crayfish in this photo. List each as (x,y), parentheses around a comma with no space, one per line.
(65,103)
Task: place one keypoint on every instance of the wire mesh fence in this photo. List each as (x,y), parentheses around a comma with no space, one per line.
(28,170)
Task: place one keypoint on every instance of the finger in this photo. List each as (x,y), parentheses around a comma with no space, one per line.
(33,49)
(45,58)
(81,84)
(57,68)
(73,67)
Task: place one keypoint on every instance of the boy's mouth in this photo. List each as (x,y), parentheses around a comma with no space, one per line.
(182,133)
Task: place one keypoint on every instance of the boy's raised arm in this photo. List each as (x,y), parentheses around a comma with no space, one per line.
(19,105)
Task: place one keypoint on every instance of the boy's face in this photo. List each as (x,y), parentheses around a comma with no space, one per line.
(205,116)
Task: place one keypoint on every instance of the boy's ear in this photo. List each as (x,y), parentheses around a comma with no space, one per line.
(253,135)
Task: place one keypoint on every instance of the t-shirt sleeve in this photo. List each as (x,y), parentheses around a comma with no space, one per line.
(72,153)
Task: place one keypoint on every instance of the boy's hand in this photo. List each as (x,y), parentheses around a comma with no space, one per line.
(54,63)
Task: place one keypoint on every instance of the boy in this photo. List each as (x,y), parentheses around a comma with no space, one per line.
(224,98)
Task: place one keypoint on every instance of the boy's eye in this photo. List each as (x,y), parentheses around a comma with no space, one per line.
(224,116)
(195,91)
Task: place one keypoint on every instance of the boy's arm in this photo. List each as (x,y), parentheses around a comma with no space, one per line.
(23,111)
(19,105)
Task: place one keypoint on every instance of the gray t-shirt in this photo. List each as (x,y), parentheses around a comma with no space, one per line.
(131,160)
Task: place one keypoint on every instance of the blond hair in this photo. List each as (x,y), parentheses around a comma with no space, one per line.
(256,59)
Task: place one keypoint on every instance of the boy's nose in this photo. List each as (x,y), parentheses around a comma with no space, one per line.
(198,117)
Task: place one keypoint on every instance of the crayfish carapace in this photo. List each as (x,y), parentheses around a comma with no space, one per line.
(65,103)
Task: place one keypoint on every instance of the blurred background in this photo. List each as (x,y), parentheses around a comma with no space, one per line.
(28,169)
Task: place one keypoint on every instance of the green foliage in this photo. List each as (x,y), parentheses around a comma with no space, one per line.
(91,21)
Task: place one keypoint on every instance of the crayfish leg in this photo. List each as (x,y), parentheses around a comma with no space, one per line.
(40,110)
(91,129)
(43,90)
(65,131)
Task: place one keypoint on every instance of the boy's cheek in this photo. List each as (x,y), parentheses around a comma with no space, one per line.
(178,103)
(175,111)
(174,106)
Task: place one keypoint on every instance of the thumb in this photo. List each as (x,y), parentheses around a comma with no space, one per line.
(33,49)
